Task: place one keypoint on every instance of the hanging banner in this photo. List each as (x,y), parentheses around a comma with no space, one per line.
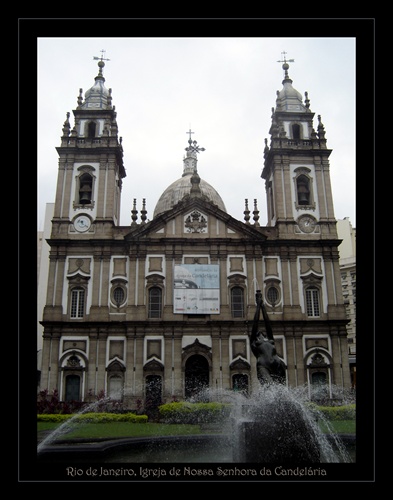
(196,289)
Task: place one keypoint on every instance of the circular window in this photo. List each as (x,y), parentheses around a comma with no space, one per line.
(272,295)
(118,295)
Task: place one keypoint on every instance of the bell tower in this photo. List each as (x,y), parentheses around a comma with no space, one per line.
(90,166)
(296,168)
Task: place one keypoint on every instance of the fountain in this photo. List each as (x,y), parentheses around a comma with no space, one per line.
(274,426)
(69,424)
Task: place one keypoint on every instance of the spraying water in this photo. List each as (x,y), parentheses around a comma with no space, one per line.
(70,423)
(273,425)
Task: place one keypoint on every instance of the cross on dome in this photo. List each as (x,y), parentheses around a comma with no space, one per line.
(193,145)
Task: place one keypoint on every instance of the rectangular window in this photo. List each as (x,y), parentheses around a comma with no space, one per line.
(312,302)
(155,295)
(77,303)
(237,302)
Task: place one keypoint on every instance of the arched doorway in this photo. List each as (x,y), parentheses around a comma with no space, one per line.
(320,390)
(153,392)
(72,388)
(240,383)
(196,376)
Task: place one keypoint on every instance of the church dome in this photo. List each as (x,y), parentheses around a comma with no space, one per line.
(180,188)
(176,191)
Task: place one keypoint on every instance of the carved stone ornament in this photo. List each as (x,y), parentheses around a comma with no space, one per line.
(73,362)
(195,222)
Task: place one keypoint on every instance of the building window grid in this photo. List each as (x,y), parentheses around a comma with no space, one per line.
(237,302)
(155,302)
(77,303)
(312,302)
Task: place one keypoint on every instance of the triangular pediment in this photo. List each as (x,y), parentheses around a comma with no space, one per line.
(195,218)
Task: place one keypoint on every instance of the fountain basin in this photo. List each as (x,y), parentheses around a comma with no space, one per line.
(201,448)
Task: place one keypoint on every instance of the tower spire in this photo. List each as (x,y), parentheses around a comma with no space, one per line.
(190,161)
(285,66)
(101,63)
(193,145)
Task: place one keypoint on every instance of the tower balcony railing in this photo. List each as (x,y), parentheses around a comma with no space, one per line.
(86,142)
(89,142)
(283,143)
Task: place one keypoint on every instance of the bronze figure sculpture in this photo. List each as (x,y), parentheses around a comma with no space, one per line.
(270,368)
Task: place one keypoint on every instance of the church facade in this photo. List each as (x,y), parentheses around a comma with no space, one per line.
(161,309)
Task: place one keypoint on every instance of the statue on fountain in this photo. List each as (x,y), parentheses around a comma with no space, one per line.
(275,427)
(270,368)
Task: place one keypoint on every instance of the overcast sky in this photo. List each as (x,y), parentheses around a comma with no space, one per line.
(222,88)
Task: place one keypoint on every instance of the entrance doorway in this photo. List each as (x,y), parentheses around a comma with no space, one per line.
(240,383)
(72,388)
(153,392)
(196,377)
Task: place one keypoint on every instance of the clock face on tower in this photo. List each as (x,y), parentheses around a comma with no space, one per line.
(82,223)
(307,223)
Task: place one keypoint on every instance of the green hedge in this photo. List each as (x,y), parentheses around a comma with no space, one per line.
(94,418)
(187,413)
(345,412)
(193,413)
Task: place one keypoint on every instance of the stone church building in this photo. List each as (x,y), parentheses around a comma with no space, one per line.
(160,309)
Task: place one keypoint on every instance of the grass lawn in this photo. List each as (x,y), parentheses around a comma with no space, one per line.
(121,429)
(341,426)
(125,429)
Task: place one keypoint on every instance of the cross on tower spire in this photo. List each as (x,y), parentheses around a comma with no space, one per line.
(285,60)
(102,58)
(101,63)
(285,65)
(189,132)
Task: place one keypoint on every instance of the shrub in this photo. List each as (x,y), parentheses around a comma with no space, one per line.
(93,417)
(56,418)
(193,413)
(345,412)
(51,404)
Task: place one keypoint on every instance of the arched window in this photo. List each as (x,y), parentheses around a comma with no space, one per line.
(77,302)
(303,190)
(115,387)
(296,131)
(155,302)
(237,302)
(91,130)
(85,189)
(312,301)
(271,199)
